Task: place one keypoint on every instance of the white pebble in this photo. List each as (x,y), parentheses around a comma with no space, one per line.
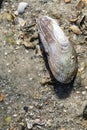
(6,53)
(85,87)
(9,71)
(8,64)
(30,78)
(15,115)
(64,110)
(21,7)
(83,92)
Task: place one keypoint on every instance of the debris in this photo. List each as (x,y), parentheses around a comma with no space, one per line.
(21,7)
(85,112)
(32,123)
(38,51)
(21,22)
(29,45)
(29,26)
(29,123)
(81,20)
(10,38)
(75,29)
(9,16)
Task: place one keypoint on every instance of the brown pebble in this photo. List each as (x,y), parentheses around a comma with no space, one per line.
(75,29)
(73,19)
(67,1)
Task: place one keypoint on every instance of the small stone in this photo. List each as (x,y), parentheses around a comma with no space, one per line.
(16,13)
(21,7)
(62,128)
(78,92)
(15,115)
(49,122)
(25,108)
(75,29)
(85,87)
(30,78)
(37,121)
(67,1)
(61,106)
(8,64)
(83,92)
(30,107)
(73,18)
(6,53)
(9,71)
(65,110)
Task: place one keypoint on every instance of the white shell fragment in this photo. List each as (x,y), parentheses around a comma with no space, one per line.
(21,7)
(21,21)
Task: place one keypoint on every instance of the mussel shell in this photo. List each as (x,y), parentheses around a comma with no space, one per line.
(61,53)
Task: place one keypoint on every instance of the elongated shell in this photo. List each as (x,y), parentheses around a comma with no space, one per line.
(61,54)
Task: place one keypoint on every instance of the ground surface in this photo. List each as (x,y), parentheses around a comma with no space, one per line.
(27,101)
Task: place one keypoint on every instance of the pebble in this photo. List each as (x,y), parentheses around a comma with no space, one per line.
(78,92)
(67,1)
(83,92)
(75,29)
(25,108)
(49,122)
(6,53)
(30,78)
(37,121)
(21,7)
(9,71)
(8,64)
(65,110)
(85,87)
(15,115)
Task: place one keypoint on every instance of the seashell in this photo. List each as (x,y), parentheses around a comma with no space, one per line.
(21,7)
(61,54)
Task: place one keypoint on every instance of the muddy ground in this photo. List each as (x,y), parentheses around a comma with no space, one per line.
(28,98)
